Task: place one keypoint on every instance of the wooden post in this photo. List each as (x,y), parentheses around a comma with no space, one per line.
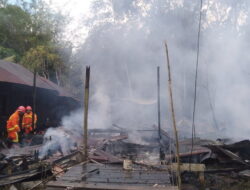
(34,100)
(173,118)
(158,102)
(161,153)
(85,111)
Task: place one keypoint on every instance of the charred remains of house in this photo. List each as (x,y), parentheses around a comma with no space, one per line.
(107,154)
(115,162)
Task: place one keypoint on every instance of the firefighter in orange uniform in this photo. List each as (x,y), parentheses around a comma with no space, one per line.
(13,124)
(27,121)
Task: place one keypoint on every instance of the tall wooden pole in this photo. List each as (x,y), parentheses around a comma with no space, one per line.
(34,100)
(161,153)
(173,118)
(86,108)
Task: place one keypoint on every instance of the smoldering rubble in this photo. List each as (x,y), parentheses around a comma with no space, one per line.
(223,161)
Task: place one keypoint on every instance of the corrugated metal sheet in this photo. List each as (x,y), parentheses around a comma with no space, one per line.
(15,73)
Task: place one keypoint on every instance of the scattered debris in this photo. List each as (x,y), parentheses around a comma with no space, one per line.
(115,160)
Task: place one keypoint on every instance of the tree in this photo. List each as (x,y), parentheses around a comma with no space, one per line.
(15,29)
(46,61)
(30,34)
(7,53)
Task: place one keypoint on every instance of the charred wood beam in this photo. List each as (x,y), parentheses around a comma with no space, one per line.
(225,170)
(86,107)
(232,155)
(85,175)
(148,166)
(34,99)
(161,152)
(54,175)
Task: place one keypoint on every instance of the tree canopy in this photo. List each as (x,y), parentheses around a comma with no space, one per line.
(29,34)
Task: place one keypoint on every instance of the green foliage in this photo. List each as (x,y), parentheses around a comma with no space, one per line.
(28,35)
(6,52)
(15,29)
(47,62)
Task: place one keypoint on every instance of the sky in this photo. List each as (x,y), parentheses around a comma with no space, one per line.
(78,11)
(74,7)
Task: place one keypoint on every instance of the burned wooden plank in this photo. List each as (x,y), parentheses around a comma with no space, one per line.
(33,168)
(126,181)
(102,186)
(107,174)
(189,167)
(10,179)
(111,168)
(101,155)
(130,177)
(232,155)
(114,174)
(225,155)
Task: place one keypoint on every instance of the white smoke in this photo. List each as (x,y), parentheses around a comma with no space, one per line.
(124,45)
(63,138)
(56,140)
(70,133)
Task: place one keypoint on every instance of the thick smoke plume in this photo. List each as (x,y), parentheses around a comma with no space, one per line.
(124,46)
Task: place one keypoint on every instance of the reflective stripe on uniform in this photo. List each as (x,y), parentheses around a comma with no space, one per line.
(11,129)
(27,116)
(16,139)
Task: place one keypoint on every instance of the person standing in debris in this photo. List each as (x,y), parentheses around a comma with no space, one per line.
(27,121)
(14,124)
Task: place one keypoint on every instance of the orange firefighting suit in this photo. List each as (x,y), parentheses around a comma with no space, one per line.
(27,122)
(13,127)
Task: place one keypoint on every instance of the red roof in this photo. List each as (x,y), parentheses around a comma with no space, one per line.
(15,73)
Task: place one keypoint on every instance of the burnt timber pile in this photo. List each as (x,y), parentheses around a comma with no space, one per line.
(116,163)
(103,166)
